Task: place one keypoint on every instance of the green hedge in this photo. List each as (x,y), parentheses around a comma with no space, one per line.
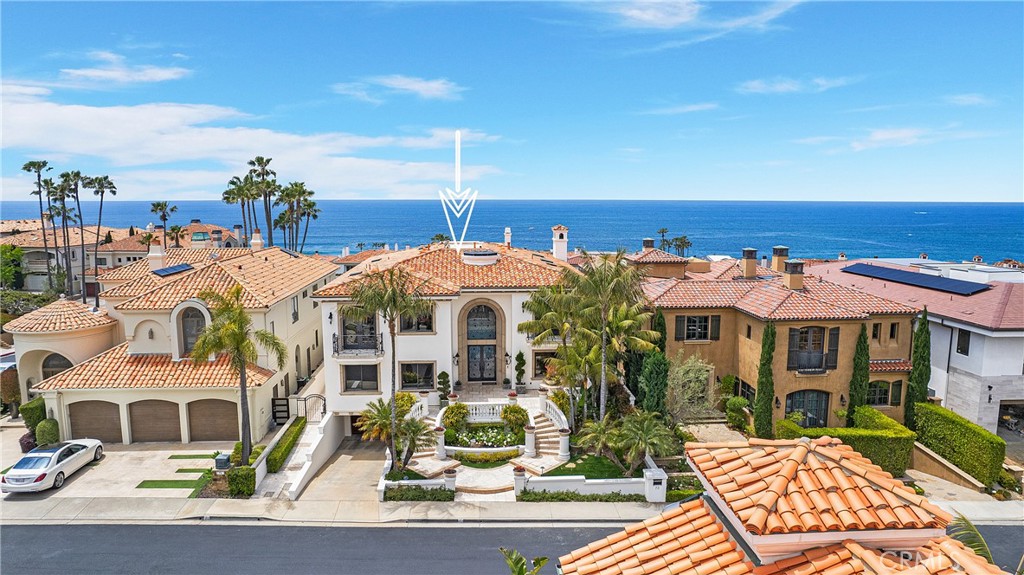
(571,496)
(236,453)
(455,416)
(972,448)
(417,493)
(33,412)
(484,457)
(674,495)
(242,481)
(876,436)
(276,458)
(734,412)
(47,432)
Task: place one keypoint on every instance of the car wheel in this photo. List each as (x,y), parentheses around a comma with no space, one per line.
(99,453)
(58,480)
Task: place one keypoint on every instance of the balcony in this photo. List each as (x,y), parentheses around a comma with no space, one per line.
(354,345)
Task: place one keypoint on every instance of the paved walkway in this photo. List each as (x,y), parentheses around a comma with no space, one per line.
(936,489)
(714,432)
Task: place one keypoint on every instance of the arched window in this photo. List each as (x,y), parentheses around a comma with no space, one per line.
(54,364)
(481,323)
(192,324)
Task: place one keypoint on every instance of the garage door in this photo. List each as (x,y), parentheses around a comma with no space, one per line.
(95,419)
(213,420)
(154,420)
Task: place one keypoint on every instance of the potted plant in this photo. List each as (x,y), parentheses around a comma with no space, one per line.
(513,397)
(458,384)
(444,387)
(506,383)
(520,368)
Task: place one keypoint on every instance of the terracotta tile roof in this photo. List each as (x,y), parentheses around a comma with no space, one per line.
(770,299)
(687,539)
(793,486)
(655,256)
(889,365)
(729,269)
(267,277)
(131,244)
(195,257)
(444,272)
(998,308)
(11,226)
(61,315)
(117,369)
(360,257)
(34,238)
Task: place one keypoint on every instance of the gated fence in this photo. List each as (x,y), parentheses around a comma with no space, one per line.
(313,407)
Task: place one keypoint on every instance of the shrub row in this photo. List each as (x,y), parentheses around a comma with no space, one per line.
(680,494)
(417,493)
(972,448)
(484,457)
(47,432)
(276,458)
(242,481)
(571,496)
(876,436)
(33,412)
(236,453)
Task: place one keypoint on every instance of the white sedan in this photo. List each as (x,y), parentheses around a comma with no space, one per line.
(48,466)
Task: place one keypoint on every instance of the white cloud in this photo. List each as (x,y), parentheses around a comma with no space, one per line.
(785,85)
(374,88)
(682,109)
(968,100)
(817,140)
(143,146)
(655,14)
(892,137)
(693,21)
(113,68)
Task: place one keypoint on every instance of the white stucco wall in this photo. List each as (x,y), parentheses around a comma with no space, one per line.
(32,348)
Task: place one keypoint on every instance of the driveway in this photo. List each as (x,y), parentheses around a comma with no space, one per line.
(1014,444)
(349,478)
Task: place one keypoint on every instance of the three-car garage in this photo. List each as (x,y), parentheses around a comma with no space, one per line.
(154,420)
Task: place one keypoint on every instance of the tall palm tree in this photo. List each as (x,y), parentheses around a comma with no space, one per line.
(606,282)
(643,433)
(576,366)
(60,210)
(49,188)
(163,210)
(664,243)
(175,233)
(310,212)
(390,294)
(375,423)
(38,167)
(681,244)
(602,437)
(73,181)
(147,239)
(626,332)
(100,186)
(238,193)
(230,332)
(292,196)
(413,433)
(267,186)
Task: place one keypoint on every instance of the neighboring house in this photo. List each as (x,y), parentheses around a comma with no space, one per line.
(472,334)
(147,388)
(661,264)
(976,320)
(721,314)
(36,255)
(796,507)
(349,260)
(14,227)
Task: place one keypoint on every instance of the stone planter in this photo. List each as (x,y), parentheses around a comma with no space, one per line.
(449,479)
(453,397)
(531,441)
(513,398)
(519,478)
(543,392)
(439,450)
(563,444)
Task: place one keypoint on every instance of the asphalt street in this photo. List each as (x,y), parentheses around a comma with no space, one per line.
(228,549)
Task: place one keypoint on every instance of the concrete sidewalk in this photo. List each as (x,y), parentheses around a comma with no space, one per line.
(991,512)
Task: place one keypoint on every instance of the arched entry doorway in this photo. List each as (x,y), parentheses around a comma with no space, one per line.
(54,364)
(482,343)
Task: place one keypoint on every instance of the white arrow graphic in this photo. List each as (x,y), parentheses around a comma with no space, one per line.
(460,201)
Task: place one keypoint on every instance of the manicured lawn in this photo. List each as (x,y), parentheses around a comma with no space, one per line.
(484,465)
(193,456)
(592,467)
(404,474)
(193,470)
(167,484)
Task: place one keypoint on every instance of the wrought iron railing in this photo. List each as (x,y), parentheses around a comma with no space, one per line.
(358,344)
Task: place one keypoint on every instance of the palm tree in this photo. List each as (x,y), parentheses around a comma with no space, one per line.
(61,192)
(517,563)
(967,533)
(391,294)
(375,423)
(310,212)
(602,437)
(664,243)
(239,192)
(293,196)
(163,210)
(680,245)
(100,186)
(72,181)
(642,434)
(360,246)
(607,281)
(49,188)
(230,332)
(267,187)
(575,366)
(147,239)
(626,332)
(38,167)
(175,233)
(413,433)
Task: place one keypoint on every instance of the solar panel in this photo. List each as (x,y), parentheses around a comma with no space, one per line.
(938,283)
(164,272)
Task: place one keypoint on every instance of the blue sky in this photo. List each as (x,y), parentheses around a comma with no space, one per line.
(611,100)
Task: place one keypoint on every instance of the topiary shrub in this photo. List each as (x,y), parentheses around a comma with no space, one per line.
(33,412)
(734,412)
(242,481)
(455,416)
(10,390)
(47,432)
(972,448)
(280,453)
(514,417)
(520,368)
(403,403)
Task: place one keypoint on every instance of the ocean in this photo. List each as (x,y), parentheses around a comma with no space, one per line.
(949,231)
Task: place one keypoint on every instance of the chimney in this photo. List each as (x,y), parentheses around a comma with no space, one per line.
(793,275)
(842,256)
(560,242)
(749,263)
(344,251)
(764,261)
(648,244)
(157,257)
(238,235)
(257,240)
(196,221)
(923,256)
(978,260)
(508,237)
(779,256)
(218,238)
(149,227)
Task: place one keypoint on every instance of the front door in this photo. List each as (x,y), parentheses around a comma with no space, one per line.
(482,366)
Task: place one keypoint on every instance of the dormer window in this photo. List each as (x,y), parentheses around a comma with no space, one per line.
(192,324)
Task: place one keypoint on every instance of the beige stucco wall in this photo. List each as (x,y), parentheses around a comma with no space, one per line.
(77,346)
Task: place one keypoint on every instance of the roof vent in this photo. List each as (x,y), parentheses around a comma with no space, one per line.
(479,257)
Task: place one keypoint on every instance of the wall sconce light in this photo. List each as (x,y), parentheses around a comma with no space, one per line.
(842,400)
(330,317)
(508,359)
(778,404)
(990,394)
(150,334)
(990,398)
(455,359)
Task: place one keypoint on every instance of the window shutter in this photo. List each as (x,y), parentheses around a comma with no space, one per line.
(896,393)
(716,326)
(832,358)
(794,344)
(680,327)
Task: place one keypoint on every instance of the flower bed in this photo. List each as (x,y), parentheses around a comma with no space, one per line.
(546,496)
(485,436)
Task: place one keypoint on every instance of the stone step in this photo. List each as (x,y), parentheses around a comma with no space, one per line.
(482,490)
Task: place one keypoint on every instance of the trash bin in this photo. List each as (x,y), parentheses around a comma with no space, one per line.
(222,461)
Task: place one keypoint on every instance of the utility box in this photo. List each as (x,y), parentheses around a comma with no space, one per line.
(222,462)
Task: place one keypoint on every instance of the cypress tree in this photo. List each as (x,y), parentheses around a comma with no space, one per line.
(633,365)
(658,325)
(765,385)
(859,379)
(654,381)
(920,371)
